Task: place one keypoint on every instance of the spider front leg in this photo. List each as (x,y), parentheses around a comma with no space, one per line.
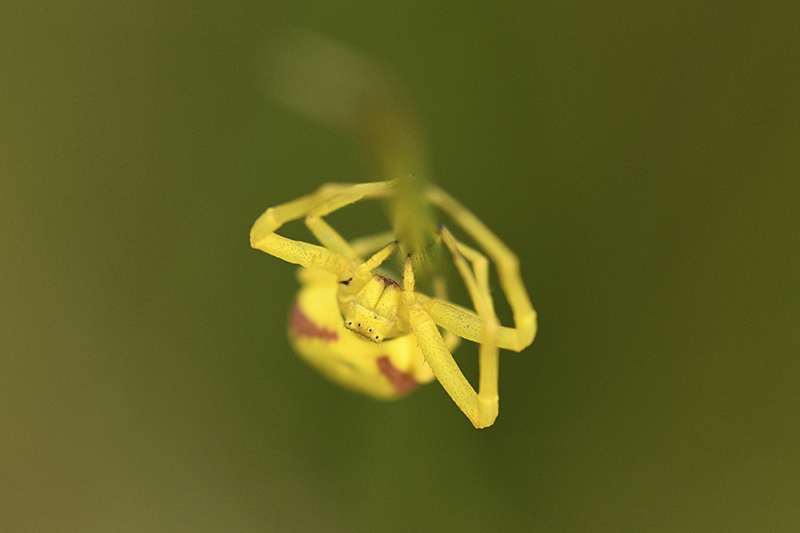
(521,335)
(477,283)
(480,408)
(325,200)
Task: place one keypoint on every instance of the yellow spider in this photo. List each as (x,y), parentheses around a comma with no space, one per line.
(370,334)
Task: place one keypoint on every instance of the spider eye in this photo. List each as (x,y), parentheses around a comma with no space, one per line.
(346,282)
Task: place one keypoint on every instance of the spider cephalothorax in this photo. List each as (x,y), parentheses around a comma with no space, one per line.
(369,302)
(374,312)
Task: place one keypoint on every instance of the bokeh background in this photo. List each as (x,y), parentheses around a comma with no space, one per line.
(642,159)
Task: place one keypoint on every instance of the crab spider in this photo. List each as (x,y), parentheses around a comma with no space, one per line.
(366,332)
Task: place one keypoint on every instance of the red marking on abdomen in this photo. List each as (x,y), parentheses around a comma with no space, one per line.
(401,381)
(302,326)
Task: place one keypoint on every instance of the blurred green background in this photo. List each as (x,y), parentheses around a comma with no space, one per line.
(642,160)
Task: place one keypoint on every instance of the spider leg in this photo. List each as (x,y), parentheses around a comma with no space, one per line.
(480,409)
(440,360)
(329,237)
(460,321)
(325,200)
(521,336)
(477,283)
(440,290)
(368,245)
